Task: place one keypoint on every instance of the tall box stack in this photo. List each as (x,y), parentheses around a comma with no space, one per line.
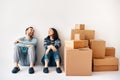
(75,52)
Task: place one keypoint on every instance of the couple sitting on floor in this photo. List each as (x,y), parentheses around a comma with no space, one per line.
(25,51)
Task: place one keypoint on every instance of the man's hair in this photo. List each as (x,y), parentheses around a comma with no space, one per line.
(27,29)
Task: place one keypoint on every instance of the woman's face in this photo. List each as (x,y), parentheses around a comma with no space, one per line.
(50,32)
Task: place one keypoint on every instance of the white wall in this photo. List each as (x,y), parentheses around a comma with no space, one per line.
(103,16)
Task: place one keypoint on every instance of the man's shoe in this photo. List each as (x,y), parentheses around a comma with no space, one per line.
(31,70)
(15,69)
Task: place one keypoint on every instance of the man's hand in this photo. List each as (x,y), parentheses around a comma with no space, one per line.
(18,41)
(29,45)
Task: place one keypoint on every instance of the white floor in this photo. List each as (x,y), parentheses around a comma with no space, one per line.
(6,67)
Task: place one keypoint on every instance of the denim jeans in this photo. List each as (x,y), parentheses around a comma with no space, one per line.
(53,54)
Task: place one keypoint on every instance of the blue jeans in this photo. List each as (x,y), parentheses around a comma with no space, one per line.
(53,54)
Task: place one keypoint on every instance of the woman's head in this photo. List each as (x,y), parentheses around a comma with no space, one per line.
(53,32)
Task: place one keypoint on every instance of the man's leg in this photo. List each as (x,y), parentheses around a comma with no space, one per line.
(16,58)
(31,55)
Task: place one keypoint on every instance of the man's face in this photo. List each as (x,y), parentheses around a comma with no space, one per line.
(30,32)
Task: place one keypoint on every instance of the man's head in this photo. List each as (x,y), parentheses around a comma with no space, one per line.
(29,31)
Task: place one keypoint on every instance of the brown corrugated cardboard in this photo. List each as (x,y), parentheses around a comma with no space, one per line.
(77,37)
(78,62)
(89,34)
(75,44)
(84,34)
(98,48)
(77,31)
(110,51)
(106,68)
(80,26)
(108,60)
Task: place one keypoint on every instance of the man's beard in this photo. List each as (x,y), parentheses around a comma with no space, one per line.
(31,35)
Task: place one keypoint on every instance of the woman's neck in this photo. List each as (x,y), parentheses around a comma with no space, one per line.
(51,38)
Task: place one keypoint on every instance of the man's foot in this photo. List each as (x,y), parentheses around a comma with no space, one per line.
(58,70)
(31,70)
(45,70)
(15,69)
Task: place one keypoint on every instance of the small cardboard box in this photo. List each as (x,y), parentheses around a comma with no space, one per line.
(75,44)
(83,34)
(109,63)
(89,34)
(80,26)
(110,51)
(78,62)
(98,48)
(76,32)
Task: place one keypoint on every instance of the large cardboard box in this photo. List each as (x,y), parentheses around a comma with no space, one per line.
(78,62)
(83,34)
(80,26)
(98,48)
(109,63)
(110,51)
(75,44)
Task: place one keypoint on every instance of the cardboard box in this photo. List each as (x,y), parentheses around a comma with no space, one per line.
(77,31)
(106,68)
(78,62)
(80,26)
(108,60)
(110,51)
(74,44)
(77,37)
(84,34)
(89,34)
(109,63)
(98,48)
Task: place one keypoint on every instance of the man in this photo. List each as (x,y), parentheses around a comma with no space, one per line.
(24,51)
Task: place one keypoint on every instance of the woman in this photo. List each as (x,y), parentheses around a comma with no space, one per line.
(52,44)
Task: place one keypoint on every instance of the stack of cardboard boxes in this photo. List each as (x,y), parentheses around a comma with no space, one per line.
(83,53)
(78,55)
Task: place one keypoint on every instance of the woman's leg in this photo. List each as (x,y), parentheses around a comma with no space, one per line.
(46,59)
(57,60)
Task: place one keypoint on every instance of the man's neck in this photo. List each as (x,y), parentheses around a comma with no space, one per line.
(28,37)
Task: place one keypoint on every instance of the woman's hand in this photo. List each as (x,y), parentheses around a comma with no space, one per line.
(47,51)
(53,48)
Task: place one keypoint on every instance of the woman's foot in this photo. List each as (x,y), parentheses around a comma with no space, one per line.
(58,70)
(45,70)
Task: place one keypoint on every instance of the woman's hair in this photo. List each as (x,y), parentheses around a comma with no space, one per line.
(27,29)
(55,34)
